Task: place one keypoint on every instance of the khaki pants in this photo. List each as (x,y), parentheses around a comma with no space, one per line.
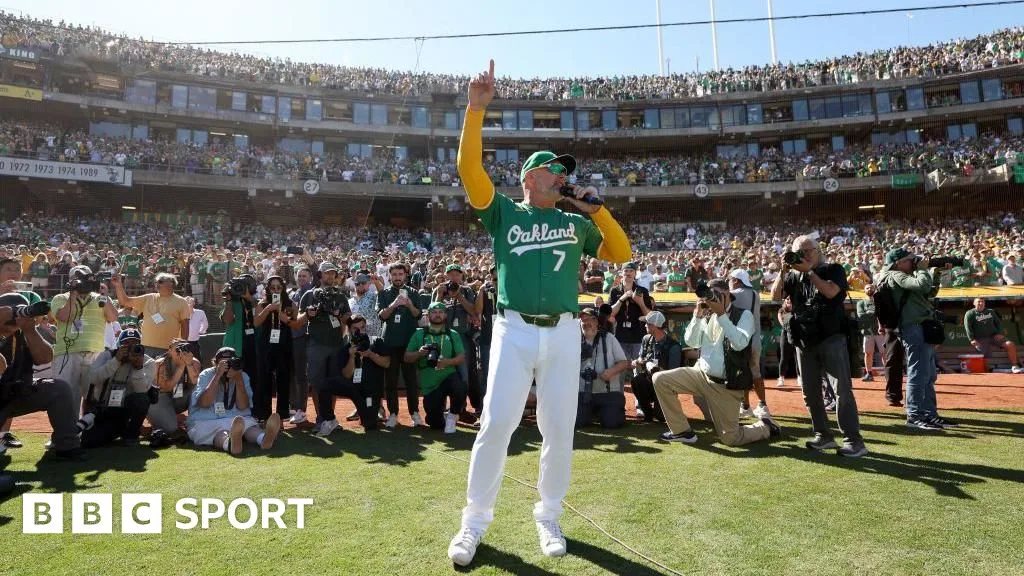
(723,405)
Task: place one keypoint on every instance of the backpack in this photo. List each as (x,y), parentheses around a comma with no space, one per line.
(887,311)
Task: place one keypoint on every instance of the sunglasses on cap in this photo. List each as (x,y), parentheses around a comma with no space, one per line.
(555,168)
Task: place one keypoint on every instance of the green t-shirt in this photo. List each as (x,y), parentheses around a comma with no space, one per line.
(963,277)
(609,278)
(219,271)
(676,277)
(537,251)
(401,324)
(39,270)
(132,265)
(201,265)
(165,263)
(756,278)
(234,334)
(451,346)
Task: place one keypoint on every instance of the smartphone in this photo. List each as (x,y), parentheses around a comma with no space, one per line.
(275,298)
(403,293)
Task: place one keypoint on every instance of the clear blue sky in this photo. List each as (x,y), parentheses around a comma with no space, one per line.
(581,54)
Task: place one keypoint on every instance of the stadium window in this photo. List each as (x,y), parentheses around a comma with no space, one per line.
(609,120)
(492,119)
(241,141)
(915,98)
(420,117)
(801,111)
(113,129)
(838,143)
(953,132)
(865,103)
(817,107)
(200,137)
(969,93)
(361,113)
(700,116)
(399,116)
(913,137)
(200,98)
(682,117)
(340,111)
(753,149)
(526,119)
(882,103)
(359,150)
(284,108)
(509,120)
(1015,126)
(798,146)
(833,107)
(314,110)
(714,119)
(238,100)
(566,120)
(851,105)
(268,104)
(461,113)
(630,119)
(316,147)
(667,118)
(379,114)
(992,89)
(652,119)
(179,96)
(583,120)
(754,115)
(141,92)
(183,135)
(451,121)
(729,151)
(968,131)
(440,154)
(544,120)
(140,132)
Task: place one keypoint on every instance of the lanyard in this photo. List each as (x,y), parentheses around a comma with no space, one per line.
(228,395)
(247,318)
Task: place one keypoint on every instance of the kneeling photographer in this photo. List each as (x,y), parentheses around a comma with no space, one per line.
(721,377)
(818,328)
(364,359)
(176,375)
(602,364)
(437,351)
(22,346)
(121,390)
(239,297)
(658,351)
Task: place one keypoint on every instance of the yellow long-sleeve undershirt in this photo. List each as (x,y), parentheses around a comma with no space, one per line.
(480,190)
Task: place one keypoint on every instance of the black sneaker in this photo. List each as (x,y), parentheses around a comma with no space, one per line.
(853,449)
(688,437)
(943,422)
(10,441)
(774,430)
(72,455)
(821,442)
(922,424)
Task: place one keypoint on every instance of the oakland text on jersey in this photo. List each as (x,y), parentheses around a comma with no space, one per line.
(541,233)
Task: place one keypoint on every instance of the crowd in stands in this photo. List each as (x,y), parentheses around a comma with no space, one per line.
(47,141)
(1000,48)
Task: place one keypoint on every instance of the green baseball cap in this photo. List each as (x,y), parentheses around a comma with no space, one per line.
(895,255)
(453,267)
(545,157)
(437,306)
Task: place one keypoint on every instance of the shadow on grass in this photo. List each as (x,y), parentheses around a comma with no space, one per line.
(974,425)
(607,560)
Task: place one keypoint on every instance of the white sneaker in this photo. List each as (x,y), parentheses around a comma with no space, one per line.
(298,418)
(761,411)
(392,422)
(417,420)
(326,427)
(746,412)
(1016,369)
(552,542)
(449,422)
(48,445)
(463,545)
(781,382)
(639,413)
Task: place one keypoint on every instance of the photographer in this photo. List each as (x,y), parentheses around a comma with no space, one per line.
(630,303)
(299,393)
(21,346)
(81,316)
(817,291)
(719,379)
(164,314)
(219,411)
(398,310)
(912,287)
(120,393)
(601,367)
(239,317)
(459,300)
(364,359)
(274,317)
(324,310)
(745,297)
(437,351)
(658,351)
(176,375)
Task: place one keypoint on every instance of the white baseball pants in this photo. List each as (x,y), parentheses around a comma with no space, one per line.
(521,354)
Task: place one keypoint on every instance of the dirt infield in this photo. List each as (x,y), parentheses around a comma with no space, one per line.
(953,391)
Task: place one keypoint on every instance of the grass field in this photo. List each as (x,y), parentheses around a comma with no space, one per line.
(388,503)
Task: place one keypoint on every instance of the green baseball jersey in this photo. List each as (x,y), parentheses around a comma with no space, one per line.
(676,277)
(219,271)
(536,251)
(132,265)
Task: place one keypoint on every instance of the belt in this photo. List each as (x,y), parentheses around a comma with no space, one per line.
(539,320)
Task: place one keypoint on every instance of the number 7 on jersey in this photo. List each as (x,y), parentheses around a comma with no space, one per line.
(561,259)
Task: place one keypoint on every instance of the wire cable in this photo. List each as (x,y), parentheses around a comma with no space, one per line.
(932,8)
(586,518)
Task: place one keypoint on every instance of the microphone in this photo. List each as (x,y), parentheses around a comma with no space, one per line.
(570,192)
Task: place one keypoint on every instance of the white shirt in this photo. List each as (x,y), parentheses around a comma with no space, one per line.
(645,279)
(197,325)
(110,332)
(708,334)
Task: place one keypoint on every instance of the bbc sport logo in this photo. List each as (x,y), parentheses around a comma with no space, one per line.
(144,513)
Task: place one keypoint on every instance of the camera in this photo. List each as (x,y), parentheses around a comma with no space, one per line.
(792,258)
(41,308)
(588,374)
(238,286)
(137,349)
(329,299)
(86,283)
(433,355)
(704,292)
(452,286)
(586,350)
(234,363)
(361,341)
(941,261)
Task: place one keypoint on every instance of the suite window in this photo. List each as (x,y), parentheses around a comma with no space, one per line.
(992,89)
(526,119)
(238,100)
(379,114)
(566,120)
(838,143)
(652,119)
(284,108)
(1015,126)
(141,92)
(179,96)
(754,114)
(915,98)
(509,120)
(609,120)
(801,111)
(420,119)
(314,110)
(361,113)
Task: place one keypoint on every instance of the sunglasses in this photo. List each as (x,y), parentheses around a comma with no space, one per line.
(556,168)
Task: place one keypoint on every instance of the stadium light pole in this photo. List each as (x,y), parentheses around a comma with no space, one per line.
(771,32)
(661,56)
(714,35)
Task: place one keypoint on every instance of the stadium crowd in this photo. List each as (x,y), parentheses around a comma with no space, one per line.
(1000,48)
(45,141)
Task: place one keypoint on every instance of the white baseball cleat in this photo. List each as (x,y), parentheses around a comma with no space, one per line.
(463,545)
(552,542)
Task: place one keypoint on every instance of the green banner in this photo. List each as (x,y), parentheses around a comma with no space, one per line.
(906,180)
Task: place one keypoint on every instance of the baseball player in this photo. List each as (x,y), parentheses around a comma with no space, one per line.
(536,334)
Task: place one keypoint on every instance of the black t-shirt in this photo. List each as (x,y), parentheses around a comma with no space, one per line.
(824,316)
(629,324)
(20,369)
(372,373)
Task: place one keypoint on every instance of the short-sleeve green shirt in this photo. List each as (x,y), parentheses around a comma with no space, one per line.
(451,346)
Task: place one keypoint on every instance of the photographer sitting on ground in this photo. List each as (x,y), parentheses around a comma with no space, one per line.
(437,351)
(601,368)
(21,347)
(219,411)
(722,374)
(364,359)
(176,375)
(120,393)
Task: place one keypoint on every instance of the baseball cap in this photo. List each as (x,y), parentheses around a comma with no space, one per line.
(630,266)
(437,306)
(451,267)
(327,266)
(80,270)
(128,334)
(588,312)
(545,157)
(655,318)
(895,255)
(362,279)
(742,276)
(225,352)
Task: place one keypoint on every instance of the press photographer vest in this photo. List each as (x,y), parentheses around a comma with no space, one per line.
(737,362)
(657,351)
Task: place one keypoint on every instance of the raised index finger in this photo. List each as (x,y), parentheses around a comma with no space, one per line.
(490,71)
